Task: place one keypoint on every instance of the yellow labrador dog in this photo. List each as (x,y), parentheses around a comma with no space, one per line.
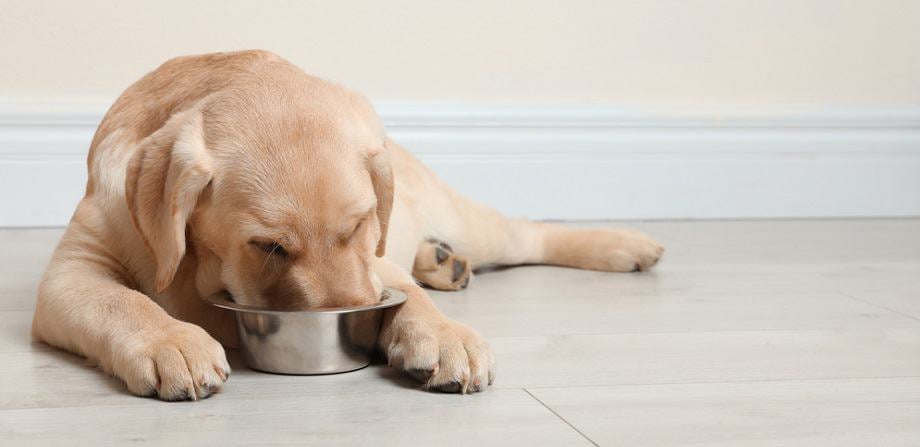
(239,172)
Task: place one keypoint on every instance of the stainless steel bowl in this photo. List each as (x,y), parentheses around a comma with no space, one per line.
(322,341)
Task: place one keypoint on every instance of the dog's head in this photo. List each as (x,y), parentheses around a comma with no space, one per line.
(283,189)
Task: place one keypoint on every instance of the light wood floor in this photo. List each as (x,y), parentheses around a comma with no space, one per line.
(749,333)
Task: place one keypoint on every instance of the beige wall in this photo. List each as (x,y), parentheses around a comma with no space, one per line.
(547,51)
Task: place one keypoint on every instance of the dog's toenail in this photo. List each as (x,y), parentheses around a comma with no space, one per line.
(445,246)
(208,389)
(450,387)
(441,255)
(465,283)
(422,375)
(182,395)
(637,268)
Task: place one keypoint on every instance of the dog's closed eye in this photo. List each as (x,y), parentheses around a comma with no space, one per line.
(346,236)
(269,247)
(357,227)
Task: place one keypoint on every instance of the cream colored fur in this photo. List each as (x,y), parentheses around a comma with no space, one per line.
(239,172)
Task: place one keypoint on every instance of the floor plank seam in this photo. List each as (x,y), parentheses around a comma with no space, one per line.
(561,418)
(717,382)
(854,298)
(712,331)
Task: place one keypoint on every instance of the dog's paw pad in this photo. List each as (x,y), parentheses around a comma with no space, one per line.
(437,266)
(440,255)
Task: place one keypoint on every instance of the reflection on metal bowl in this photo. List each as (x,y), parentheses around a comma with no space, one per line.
(321,341)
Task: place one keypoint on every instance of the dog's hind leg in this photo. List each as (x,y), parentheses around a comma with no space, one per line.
(482,236)
(486,237)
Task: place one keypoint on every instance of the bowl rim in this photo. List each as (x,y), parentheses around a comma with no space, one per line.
(389,298)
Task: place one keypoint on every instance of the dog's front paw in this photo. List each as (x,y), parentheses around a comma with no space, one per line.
(444,355)
(177,362)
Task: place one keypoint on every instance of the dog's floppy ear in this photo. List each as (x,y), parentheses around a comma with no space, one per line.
(382,179)
(164,179)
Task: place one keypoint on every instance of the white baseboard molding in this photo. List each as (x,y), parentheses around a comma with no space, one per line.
(573,162)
